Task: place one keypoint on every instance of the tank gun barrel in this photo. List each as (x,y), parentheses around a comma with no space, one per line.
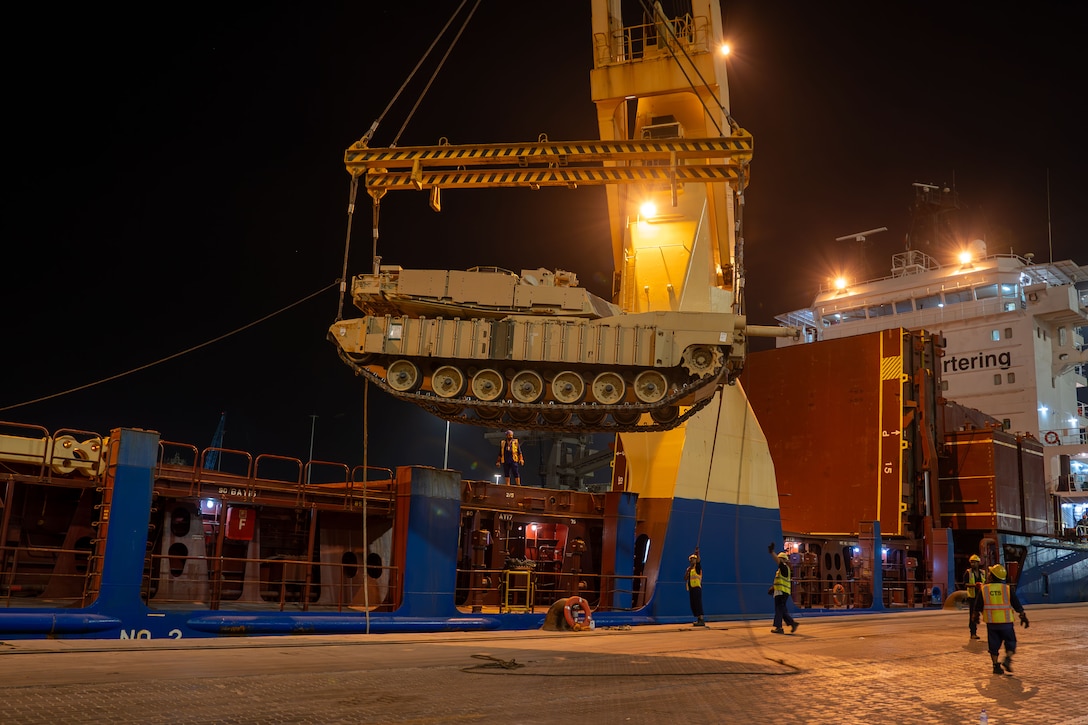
(772,331)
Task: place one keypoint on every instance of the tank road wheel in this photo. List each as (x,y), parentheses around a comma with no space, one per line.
(651,386)
(626,417)
(665,415)
(450,409)
(522,415)
(556,417)
(447,382)
(527,386)
(702,360)
(488,385)
(608,389)
(488,413)
(591,416)
(568,387)
(403,376)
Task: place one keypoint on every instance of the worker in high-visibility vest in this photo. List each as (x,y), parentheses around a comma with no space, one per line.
(999,601)
(973,579)
(693,580)
(510,458)
(780,589)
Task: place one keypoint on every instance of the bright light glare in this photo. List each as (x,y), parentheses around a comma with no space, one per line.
(965,257)
(725,49)
(648,209)
(840,283)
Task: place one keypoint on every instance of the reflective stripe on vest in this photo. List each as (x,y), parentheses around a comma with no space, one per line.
(781,583)
(972,578)
(513,449)
(997,608)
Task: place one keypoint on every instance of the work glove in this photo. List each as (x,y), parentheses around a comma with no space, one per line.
(770,590)
(770,548)
(1024,620)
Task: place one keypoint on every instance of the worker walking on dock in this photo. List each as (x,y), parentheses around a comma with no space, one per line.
(693,580)
(999,601)
(973,579)
(510,457)
(781,589)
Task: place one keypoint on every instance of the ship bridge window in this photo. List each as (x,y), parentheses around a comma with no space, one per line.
(927,303)
(853,315)
(957,296)
(880,311)
(903,307)
(986,292)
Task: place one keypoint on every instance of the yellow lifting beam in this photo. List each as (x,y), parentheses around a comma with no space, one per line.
(570,164)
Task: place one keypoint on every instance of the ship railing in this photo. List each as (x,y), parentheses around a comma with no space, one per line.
(241,476)
(43,454)
(1065,436)
(839,593)
(684,34)
(527,590)
(275,583)
(36,576)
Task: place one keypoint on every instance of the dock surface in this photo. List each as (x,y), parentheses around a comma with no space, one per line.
(902,667)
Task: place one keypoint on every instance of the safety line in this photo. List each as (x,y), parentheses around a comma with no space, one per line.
(175,355)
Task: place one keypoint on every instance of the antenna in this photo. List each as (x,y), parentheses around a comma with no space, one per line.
(861,239)
(861,236)
(1049,231)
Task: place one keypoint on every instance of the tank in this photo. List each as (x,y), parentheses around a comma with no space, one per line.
(486,346)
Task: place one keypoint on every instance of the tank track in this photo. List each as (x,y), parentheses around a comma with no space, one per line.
(561,417)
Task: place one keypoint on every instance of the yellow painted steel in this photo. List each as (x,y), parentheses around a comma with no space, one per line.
(720,455)
(517,581)
(738,148)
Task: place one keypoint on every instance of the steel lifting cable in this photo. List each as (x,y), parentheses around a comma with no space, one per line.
(658,14)
(370,134)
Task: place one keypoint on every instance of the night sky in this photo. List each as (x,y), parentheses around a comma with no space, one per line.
(178,178)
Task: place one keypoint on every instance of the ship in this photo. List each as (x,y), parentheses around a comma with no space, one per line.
(938,404)
(122,534)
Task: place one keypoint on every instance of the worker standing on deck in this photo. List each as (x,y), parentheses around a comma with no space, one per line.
(510,458)
(781,589)
(693,580)
(999,601)
(973,579)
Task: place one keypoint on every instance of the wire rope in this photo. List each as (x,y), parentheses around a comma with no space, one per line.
(175,355)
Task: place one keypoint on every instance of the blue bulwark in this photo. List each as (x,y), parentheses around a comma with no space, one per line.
(434,520)
(132,460)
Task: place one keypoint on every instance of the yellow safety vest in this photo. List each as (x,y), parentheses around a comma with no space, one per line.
(972,579)
(695,579)
(781,583)
(514,456)
(997,607)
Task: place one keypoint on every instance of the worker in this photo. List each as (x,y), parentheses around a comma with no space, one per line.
(693,580)
(973,579)
(781,589)
(510,458)
(999,601)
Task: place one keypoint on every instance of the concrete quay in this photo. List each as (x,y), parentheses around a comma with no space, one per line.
(898,667)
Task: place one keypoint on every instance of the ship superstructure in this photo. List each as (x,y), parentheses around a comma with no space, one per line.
(1009,362)
(1014,333)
